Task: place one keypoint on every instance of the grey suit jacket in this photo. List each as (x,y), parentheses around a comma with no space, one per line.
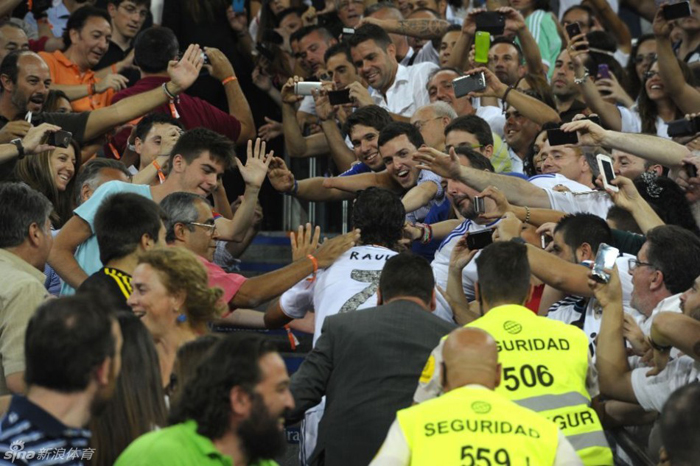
(367,363)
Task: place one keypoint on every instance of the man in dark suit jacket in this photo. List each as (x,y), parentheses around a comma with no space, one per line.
(367,364)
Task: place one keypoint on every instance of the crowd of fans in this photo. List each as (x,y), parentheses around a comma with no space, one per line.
(520,284)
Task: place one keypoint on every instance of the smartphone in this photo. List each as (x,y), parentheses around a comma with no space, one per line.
(605,165)
(594,118)
(691,170)
(545,239)
(205,58)
(473,83)
(677,10)
(603,71)
(238,6)
(339,97)
(480,239)
(348,31)
(605,259)
(305,87)
(482,44)
(573,30)
(684,127)
(492,22)
(60,138)
(557,137)
(479,207)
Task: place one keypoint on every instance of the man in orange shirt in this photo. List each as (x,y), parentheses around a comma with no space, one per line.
(87,36)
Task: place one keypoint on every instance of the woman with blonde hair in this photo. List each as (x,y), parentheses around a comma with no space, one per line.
(172,297)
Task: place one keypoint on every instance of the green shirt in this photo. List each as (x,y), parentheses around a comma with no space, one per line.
(176,445)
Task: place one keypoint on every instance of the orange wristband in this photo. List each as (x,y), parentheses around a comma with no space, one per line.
(315,264)
(228,80)
(161,176)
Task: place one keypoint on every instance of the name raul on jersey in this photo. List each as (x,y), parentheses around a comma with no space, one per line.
(370,257)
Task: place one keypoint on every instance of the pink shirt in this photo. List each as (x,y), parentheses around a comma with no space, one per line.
(218,277)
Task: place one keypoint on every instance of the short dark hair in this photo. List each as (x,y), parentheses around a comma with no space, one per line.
(584,228)
(78,19)
(195,141)
(472,124)
(20,207)
(679,418)
(476,160)
(233,361)
(373,116)
(337,49)
(585,8)
(504,273)
(380,216)
(505,40)
(675,252)
(623,219)
(407,274)
(154,48)
(156,118)
(66,340)
(398,128)
(120,222)
(370,32)
(306,30)
(10,64)
(89,170)
(286,12)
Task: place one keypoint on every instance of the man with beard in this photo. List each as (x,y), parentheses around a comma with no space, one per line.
(567,95)
(462,198)
(73,358)
(25,80)
(231,413)
(87,37)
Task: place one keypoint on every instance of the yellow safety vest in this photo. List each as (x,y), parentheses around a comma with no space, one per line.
(474,426)
(545,363)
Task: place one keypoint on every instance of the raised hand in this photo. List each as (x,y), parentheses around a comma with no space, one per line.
(461,254)
(304,241)
(279,175)
(185,72)
(607,293)
(331,249)
(444,165)
(270,130)
(508,228)
(220,67)
(502,204)
(255,169)
(35,135)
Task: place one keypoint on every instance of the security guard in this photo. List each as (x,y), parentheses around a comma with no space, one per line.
(471,424)
(545,362)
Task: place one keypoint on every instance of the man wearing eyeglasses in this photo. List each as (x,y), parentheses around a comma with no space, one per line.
(128,17)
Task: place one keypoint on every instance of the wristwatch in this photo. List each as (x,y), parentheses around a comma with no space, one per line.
(583,78)
(519,240)
(20,148)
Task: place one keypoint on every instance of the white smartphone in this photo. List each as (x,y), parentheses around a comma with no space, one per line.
(605,165)
(305,87)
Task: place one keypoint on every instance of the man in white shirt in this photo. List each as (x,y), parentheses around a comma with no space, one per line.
(398,89)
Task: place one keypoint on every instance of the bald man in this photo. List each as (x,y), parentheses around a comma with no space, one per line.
(471,422)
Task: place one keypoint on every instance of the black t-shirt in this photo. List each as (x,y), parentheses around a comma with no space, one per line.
(112,286)
(115,54)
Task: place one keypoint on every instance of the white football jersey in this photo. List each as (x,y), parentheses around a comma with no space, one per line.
(441,262)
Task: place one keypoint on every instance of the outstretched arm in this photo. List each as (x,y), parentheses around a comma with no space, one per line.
(182,75)
(420,28)
(516,190)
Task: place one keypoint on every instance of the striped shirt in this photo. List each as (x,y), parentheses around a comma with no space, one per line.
(30,435)
(110,283)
